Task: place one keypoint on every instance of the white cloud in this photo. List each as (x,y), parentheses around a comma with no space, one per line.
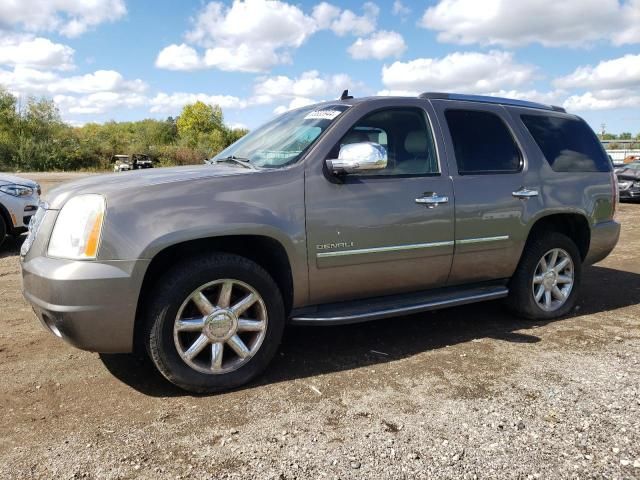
(67,17)
(244,58)
(308,85)
(400,8)
(92,93)
(250,35)
(603,100)
(611,84)
(397,93)
(98,81)
(608,74)
(547,22)
(347,22)
(179,57)
(255,35)
(238,126)
(29,81)
(465,72)
(35,52)
(380,45)
(173,103)
(324,14)
(552,97)
(297,102)
(99,102)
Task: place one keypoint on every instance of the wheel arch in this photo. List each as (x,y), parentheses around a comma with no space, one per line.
(4,214)
(572,224)
(266,251)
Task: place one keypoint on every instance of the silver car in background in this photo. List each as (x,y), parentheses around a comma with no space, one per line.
(19,199)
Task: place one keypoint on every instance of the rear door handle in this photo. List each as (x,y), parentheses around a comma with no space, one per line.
(525,193)
(433,200)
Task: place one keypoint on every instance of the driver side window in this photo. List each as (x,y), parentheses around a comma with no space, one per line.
(405,135)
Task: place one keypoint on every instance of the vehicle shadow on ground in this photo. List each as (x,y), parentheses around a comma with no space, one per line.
(11,246)
(310,351)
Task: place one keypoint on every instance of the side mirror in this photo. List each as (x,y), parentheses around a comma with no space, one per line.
(359,157)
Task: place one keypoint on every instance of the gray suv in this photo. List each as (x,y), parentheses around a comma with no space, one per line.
(335,213)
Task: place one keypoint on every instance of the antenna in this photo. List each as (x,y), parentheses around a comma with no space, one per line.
(345,95)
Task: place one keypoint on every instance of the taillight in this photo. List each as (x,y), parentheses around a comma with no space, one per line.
(615,197)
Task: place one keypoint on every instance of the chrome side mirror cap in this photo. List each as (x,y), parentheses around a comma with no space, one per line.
(359,157)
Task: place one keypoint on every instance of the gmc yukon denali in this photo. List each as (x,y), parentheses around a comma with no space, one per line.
(339,212)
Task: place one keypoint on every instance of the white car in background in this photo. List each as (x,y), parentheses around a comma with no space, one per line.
(19,200)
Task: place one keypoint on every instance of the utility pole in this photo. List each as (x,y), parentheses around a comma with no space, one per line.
(603,129)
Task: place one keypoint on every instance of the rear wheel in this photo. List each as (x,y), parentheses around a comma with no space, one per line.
(546,282)
(214,323)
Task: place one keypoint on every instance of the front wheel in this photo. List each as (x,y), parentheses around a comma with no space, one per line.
(545,285)
(214,323)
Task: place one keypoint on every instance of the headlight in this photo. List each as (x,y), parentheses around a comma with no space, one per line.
(76,234)
(636,184)
(17,190)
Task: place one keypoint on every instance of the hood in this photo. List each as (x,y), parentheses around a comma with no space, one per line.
(139,179)
(628,174)
(6,179)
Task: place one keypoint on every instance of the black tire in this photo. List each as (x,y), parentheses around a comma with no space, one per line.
(175,286)
(521,298)
(3,230)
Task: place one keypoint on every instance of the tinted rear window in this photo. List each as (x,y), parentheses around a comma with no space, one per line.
(482,143)
(568,144)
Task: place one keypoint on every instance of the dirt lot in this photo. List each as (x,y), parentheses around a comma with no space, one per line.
(470,392)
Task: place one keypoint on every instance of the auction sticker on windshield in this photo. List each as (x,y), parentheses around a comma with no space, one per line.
(322,115)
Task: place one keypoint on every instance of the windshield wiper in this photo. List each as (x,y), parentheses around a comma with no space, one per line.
(245,162)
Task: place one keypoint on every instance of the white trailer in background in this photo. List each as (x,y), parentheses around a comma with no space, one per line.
(619,155)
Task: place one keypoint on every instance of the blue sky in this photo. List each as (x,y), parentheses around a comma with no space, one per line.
(126,60)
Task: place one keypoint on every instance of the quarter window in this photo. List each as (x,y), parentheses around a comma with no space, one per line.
(568,144)
(482,143)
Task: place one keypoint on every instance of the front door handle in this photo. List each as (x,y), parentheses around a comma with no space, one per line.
(433,200)
(525,193)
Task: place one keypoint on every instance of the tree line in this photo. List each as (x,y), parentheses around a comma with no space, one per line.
(626,136)
(34,137)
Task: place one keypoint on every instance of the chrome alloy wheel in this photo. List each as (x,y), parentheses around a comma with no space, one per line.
(553,280)
(219,336)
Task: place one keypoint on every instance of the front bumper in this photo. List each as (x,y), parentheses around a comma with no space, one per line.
(92,305)
(629,193)
(604,237)
(19,211)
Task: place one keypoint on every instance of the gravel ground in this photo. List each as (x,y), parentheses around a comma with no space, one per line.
(469,392)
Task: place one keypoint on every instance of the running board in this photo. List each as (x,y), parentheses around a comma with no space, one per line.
(392,306)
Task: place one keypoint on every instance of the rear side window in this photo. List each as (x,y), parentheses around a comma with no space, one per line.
(568,144)
(482,143)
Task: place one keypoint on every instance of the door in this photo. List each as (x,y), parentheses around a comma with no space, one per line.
(496,190)
(374,234)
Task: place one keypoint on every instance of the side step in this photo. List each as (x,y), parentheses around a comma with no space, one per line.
(391,306)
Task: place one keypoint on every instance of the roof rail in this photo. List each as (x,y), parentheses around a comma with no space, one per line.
(487,99)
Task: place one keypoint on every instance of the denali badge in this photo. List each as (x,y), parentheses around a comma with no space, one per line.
(330,246)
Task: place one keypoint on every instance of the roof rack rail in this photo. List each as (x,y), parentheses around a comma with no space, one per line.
(487,99)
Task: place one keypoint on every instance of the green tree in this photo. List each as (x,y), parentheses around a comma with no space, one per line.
(8,122)
(625,136)
(197,122)
(34,137)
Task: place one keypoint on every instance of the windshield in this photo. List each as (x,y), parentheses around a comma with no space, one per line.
(283,140)
(634,165)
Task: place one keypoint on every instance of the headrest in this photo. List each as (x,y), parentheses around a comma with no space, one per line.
(416,142)
(355,137)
